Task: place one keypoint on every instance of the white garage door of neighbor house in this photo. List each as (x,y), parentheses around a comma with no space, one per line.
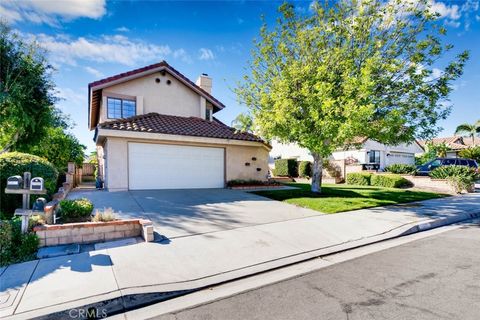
(401,158)
(161,166)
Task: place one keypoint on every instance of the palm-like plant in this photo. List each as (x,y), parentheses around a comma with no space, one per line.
(470,130)
(243,123)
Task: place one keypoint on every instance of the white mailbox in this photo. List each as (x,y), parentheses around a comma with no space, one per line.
(36,183)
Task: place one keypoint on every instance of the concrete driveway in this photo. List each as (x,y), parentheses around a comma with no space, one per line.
(179,213)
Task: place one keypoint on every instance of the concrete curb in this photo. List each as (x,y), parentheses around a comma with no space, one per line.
(127,299)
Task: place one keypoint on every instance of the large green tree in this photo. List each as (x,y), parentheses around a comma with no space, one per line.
(349,69)
(59,147)
(26,92)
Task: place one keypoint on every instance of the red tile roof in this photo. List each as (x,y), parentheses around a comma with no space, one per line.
(184,126)
(454,143)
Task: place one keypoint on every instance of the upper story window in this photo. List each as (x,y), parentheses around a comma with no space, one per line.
(120,108)
(208,114)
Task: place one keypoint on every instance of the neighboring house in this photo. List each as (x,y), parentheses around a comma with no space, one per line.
(154,129)
(455,144)
(367,152)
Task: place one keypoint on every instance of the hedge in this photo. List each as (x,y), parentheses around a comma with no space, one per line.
(402,168)
(286,168)
(16,163)
(305,169)
(359,178)
(389,181)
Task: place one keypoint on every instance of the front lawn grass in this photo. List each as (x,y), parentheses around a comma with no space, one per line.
(337,198)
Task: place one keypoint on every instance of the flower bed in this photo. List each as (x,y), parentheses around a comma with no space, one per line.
(251,184)
(90,232)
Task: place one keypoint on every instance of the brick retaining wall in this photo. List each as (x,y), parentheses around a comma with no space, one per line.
(429,184)
(89,232)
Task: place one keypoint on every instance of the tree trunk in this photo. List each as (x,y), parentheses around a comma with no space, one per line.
(317,173)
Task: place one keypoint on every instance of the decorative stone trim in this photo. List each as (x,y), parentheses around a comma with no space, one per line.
(89,232)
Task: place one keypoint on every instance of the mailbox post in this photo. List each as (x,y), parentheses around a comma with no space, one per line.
(17,185)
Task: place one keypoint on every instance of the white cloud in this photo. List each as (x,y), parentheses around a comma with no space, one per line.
(452,23)
(72,97)
(51,11)
(182,55)
(94,72)
(445,11)
(110,49)
(205,54)
(122,29)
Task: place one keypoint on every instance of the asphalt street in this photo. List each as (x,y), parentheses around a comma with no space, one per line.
(432,278)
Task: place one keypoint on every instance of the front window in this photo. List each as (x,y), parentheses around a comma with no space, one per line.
(120,108)
(374,156)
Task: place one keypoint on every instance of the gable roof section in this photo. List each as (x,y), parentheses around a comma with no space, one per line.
(454,143)
(184,126)
(94,88)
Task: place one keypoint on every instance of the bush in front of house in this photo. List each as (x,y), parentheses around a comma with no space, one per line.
(399,168)
(389,181)
(76,210)
(359,178)
(332,169)
(459,177)
(16,247)
(286,168)
(304,169)
(16,163)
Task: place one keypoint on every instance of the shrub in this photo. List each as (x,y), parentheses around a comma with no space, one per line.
(304,169)
(75,209)
(401,168)
(359,178)
(471,153)
(444,172)
(389,181)
(461,183)
(459,177)
(332,169)
(16,163)
(14,246)
(286,168)
(104,216)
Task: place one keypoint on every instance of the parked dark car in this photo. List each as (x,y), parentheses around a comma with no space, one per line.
(424,169)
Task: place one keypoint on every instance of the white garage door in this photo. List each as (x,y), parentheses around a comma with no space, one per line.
(160,166)
(401,158)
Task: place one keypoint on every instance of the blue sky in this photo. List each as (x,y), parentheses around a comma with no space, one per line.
(92,39)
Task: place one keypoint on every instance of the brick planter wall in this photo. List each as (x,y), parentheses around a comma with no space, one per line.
(429,184)
(90,232)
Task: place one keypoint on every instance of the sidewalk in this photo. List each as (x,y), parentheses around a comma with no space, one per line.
(130,275)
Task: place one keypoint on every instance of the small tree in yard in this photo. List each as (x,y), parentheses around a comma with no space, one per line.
(349,69)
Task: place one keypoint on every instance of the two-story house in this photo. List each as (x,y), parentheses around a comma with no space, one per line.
(155,129)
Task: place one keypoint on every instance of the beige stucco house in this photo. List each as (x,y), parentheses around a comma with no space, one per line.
(155,129)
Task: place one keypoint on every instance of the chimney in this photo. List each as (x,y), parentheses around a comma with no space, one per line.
(205,82)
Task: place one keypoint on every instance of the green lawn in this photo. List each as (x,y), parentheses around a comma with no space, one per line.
(338,198)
